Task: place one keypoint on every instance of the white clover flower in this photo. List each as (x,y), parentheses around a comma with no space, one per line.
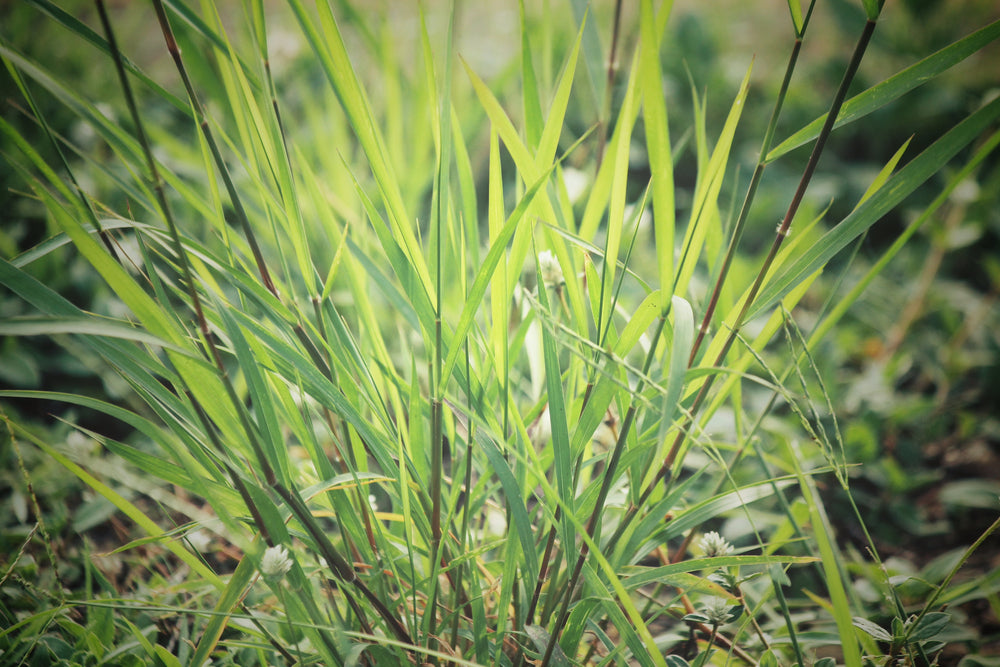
(548,266)
(276,563)
(713,544)
(718,611)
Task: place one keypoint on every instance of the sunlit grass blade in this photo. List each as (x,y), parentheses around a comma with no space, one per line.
(703,226)
(86,326)
(619,161)
(831,565)
(477,290)
(328,45)
(530,95)
(593,52)
(655,121)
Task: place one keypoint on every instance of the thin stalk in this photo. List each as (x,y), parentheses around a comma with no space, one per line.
(344,571)
(610,84)
(337,563)
(364,509)
(557,516)
(156,179)
(40,525)
(440,208)
(157,183)
(758,173)
(593,523)
(241,214)
(782,232)
(244,491)
(543,569)
(467,485)
(951,575)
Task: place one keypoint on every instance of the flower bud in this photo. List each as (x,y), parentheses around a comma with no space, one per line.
(548,266)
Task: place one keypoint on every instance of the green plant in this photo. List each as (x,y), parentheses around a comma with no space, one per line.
(443,413)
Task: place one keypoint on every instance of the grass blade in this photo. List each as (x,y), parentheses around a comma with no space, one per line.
(894,87)
(896,189)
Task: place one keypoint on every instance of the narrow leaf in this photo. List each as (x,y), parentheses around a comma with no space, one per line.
(892,88)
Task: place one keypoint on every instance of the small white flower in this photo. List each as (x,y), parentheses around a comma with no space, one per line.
(548,266)
(200,539)
(576,182)
(713,544)
(718,611)
(275,563)
(966,192)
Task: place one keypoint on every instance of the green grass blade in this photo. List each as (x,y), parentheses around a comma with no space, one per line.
(619,160)
(703,227)
(795,11)
(844,303)
(896,189)
(557,416)
(328,45)
(530,94)
(483,276)
(86,326)
(519,519)
(661,163)
(555,122)
(894,87)
(593,53)
(831,567)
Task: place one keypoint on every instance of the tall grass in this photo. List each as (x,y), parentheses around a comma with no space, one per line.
(443,412)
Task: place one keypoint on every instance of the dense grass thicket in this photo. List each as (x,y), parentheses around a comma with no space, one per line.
(536,334)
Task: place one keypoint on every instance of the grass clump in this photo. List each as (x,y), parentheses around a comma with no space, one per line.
(389,388)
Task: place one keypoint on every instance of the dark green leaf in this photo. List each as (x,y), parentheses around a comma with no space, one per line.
(930,625)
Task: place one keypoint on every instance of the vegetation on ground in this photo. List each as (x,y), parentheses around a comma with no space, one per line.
(550,335)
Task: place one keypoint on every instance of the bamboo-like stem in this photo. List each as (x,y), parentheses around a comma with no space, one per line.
(782,232)
(758,173)
(340,566)
(609,85)
(202,120)
(157,183)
